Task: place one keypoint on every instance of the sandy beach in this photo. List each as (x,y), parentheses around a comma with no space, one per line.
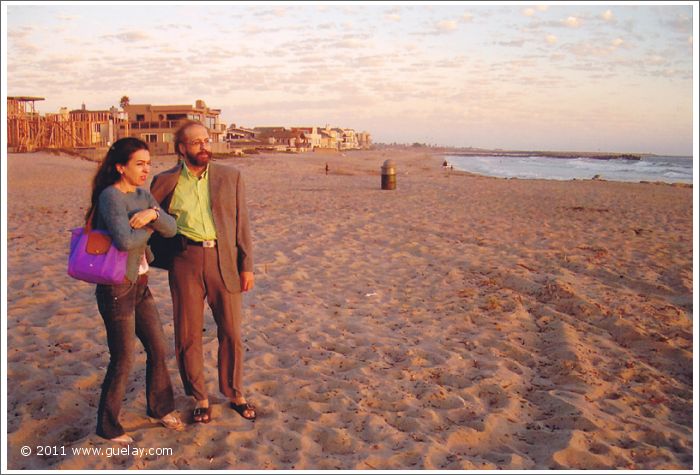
(458,322)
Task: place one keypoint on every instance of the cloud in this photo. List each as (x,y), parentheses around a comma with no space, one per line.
(446,25)
(23,47)
(512,43)
(452,63)
(272,12)
(532,12)
(467,17)
(311,58)
(58,65)
(16,35)
(176,26)
(371,61)
(351,43)
(254,29)
(64,17)
(279,11)
(572,22)
(129,36)
(557,57)
(551,39)
(393,14)
(592,50)
(682,23)
(607,15)
(656,59)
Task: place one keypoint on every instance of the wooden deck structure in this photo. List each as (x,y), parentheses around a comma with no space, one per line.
(27,130)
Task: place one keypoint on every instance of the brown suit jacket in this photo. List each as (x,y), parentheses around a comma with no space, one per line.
(228,205)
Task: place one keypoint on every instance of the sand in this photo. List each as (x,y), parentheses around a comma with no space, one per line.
(458,322)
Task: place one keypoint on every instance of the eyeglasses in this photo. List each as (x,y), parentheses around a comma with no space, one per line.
(199,143)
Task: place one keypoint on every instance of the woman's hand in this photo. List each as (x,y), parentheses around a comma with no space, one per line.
(142,218)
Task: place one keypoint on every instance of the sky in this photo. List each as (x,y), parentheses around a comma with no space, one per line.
(586,77)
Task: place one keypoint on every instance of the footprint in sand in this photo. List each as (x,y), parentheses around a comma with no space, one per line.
(334,441)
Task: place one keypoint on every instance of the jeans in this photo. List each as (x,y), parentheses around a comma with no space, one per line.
(127,310)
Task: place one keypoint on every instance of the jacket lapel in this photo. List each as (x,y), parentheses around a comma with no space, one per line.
(165,186)
(214,186)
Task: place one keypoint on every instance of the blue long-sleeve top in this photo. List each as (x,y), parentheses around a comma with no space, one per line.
(114,210)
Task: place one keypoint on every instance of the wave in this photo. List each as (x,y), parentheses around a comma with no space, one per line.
(667,169)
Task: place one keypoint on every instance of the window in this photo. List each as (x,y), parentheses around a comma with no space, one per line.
(140,117)
(176,116)
(149,138)
(167,137)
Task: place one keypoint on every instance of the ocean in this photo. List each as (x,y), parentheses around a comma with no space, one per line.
(649,168)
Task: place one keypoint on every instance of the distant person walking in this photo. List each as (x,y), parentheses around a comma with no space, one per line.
(215,262)
(130,215)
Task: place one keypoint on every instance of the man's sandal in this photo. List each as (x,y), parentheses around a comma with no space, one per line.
(202,414)
(242,408)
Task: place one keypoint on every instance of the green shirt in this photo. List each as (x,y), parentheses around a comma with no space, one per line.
(191,206)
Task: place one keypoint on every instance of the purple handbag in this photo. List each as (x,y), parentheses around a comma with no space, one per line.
(93,258)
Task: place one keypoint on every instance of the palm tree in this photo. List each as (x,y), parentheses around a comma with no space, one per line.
(124,101)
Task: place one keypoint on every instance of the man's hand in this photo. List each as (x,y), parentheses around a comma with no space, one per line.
(247,281)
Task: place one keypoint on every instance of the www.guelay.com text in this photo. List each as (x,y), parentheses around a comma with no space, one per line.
(60,450)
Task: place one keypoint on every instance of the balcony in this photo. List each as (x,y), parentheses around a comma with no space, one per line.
(158,124)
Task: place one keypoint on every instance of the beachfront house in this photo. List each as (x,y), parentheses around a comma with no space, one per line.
(364,140)
(329,139)
(349,140)
(240,140)
(281,139)
(234,134)
(101,128)
(312,135)
(156,124)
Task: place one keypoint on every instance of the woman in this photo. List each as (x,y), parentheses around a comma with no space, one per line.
(130,214)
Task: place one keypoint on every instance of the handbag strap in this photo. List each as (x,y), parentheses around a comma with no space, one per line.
(88,223)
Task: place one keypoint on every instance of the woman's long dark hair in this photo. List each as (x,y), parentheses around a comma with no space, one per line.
(107,174)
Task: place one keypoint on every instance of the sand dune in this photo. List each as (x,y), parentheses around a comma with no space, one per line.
(458,322)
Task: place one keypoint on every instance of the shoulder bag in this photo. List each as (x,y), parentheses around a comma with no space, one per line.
(93,258)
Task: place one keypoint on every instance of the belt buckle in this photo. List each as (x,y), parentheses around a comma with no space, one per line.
(208,243)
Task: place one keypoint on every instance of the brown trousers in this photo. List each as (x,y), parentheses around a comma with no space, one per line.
(193,277)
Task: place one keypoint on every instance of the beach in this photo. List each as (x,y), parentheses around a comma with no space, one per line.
(458,322)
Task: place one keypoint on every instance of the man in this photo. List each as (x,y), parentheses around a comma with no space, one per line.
(216,263)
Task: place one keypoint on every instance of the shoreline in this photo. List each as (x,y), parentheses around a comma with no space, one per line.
(562,155)
(563,173)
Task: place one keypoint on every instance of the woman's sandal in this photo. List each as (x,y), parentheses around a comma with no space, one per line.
(171,421)
(203,413)
(242,408)
(122,439)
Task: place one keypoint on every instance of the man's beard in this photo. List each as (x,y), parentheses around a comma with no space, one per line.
(199,159)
